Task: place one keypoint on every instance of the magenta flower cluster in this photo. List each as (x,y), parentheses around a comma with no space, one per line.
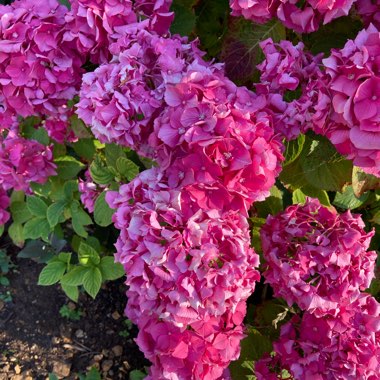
(292,82)
(184,239)
(40,70)
(24,161)
(301,16)
(353,81)
(319,260)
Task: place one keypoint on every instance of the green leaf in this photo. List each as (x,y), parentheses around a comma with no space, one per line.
(68,167)
(294,149)
(321,195)
(362,182)
(348,201)
(85,148)
(71,291)
(298,197)
(241,49)
(74,277)
(79,219)
(102,212)
(16,233)
(52,273)
(211,24)
(253,348)
(111,270)
(100,173)
(36,228)
(17,196)
(137,375)
(67,4)
(88,254)
(70,188)
(80,128)
(55,213)
(1,230)
(376,218)
(113,152)
(92,281)
(127,168)
(184,20)
(36,206)
(93,374)
(324,167)
(20,212)
(272,205)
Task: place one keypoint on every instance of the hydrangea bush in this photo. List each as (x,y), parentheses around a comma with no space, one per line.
(212,152)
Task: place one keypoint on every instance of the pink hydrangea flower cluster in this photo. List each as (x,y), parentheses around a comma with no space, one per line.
(214,141)
(4,204)
(40,71)
(89,191)
(341,346)
(319,260)
(188,273)
(96,24)
(24,161)
(184,239)
(354,86)
(369,10)
(303,17)
(289,71)
(121,99)
(316,257)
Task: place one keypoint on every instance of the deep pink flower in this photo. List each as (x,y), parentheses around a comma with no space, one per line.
(4,204)
(316,257)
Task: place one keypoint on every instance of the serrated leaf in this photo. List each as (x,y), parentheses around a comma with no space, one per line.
(74,277)
(111,270)
(321,195)
(102,212)
(127,168)
(298,197)
(36,206)
(71,291)
(294,149)
(211,24)
(52,273)
(92,281)
(55,212)
(100,173)
(88,254)
(348,201)
(137,375)
(85,148)
(113,152)
(184,19)
(66,3)
(68,167)
(20,212)
(16,233)
(252,348)
(324,167)
(70,188)
(79,219)
(241,49)
(362,182)
(36,228)
(80,129)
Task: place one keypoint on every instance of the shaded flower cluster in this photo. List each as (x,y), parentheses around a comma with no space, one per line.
(302,17)
(24,161)
(354,84)
(40,70)
(191,274)
(319,260)
(121,99)
(292,82)
(369,11)
(4,204)
(341,346)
